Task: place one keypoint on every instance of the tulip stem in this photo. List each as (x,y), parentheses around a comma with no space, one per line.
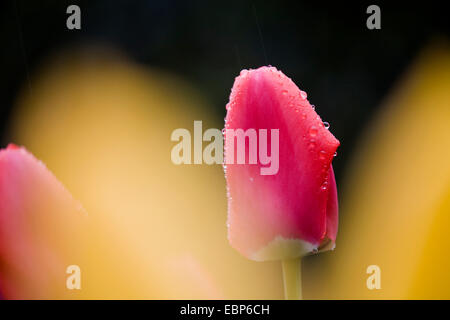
(292,276)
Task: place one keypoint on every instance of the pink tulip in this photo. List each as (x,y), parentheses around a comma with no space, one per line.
(294,211)
(39,226)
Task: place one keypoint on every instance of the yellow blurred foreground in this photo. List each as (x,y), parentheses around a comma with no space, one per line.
(102,125)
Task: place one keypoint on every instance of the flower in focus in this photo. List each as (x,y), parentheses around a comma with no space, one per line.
(293,212)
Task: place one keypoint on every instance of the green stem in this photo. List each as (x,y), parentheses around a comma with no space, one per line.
(292,276)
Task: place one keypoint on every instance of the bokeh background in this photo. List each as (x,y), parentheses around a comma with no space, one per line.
(98,105)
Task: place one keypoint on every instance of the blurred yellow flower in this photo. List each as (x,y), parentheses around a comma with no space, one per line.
(395,211)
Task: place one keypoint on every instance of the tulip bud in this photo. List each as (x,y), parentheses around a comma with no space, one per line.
(292,211)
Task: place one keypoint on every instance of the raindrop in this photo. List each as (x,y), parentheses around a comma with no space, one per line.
(303,94)
(322,155)
(313,107)
(313,131)
(311,145)
(326,125)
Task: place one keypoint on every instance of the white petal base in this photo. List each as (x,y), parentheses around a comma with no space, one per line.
(281,248)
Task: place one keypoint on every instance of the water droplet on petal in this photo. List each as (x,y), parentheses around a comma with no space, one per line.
(322,155)
(313,107)
(313,131)
(243,72)
(311,145)
(303,94)
(326,125)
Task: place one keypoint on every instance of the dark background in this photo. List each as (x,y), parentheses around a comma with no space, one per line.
(325,48)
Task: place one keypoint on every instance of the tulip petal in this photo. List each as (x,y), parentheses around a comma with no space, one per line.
(329,242)
(39,220)
(287,209)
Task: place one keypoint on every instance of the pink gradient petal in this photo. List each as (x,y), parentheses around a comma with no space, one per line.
(332,207)
(292,204)
(39,221)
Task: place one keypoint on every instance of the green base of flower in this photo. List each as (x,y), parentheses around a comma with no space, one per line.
(292,278)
